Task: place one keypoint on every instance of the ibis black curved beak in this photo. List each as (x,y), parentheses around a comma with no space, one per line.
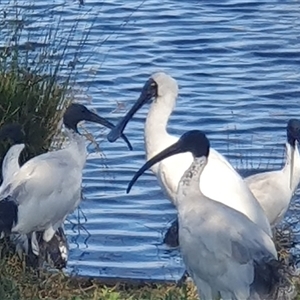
(170,151)
(97,119)
(194,141)
(149,91)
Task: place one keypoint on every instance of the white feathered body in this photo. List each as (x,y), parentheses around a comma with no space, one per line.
(219,245)
(48,187)
(219,181)
(272,189)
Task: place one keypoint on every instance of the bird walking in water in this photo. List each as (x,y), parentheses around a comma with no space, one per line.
(225,253)
(274,189)
(47,188)
(219,182)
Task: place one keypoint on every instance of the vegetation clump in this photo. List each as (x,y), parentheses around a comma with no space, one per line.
(20,282)
(33,91)
(35,80)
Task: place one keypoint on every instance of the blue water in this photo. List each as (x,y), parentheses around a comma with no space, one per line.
(238,68)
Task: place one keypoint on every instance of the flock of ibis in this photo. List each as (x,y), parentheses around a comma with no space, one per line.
(225,222)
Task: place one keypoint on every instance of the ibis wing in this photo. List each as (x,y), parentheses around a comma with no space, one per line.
(223,248)
(43,176)
(269,190)
(46,189)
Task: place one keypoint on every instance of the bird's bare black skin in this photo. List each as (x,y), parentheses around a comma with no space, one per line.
(76,113)
(293,132)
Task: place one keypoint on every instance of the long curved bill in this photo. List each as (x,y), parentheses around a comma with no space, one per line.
(149,90)
(172,150)
(97,119)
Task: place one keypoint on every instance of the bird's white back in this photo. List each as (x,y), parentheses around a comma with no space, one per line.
(220,181)
(272,188)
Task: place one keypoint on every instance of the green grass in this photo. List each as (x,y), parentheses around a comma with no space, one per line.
(20,282)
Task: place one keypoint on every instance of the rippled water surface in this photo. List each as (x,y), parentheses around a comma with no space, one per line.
(237,64)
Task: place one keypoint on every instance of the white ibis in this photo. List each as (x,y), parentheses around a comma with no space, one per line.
(219,182)
(274,189)
(224,252)
(58,250)
(47,188)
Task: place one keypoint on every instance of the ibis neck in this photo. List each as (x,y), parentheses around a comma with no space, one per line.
(156,135)
(77,146)
(296,168)
(188,188)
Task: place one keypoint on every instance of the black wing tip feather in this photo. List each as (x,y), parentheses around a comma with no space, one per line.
(268,278)
(8,214)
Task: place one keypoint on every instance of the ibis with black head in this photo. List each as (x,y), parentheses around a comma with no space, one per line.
(219,182)
(47,188)
(275,189)
(58,250)
(225,253)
